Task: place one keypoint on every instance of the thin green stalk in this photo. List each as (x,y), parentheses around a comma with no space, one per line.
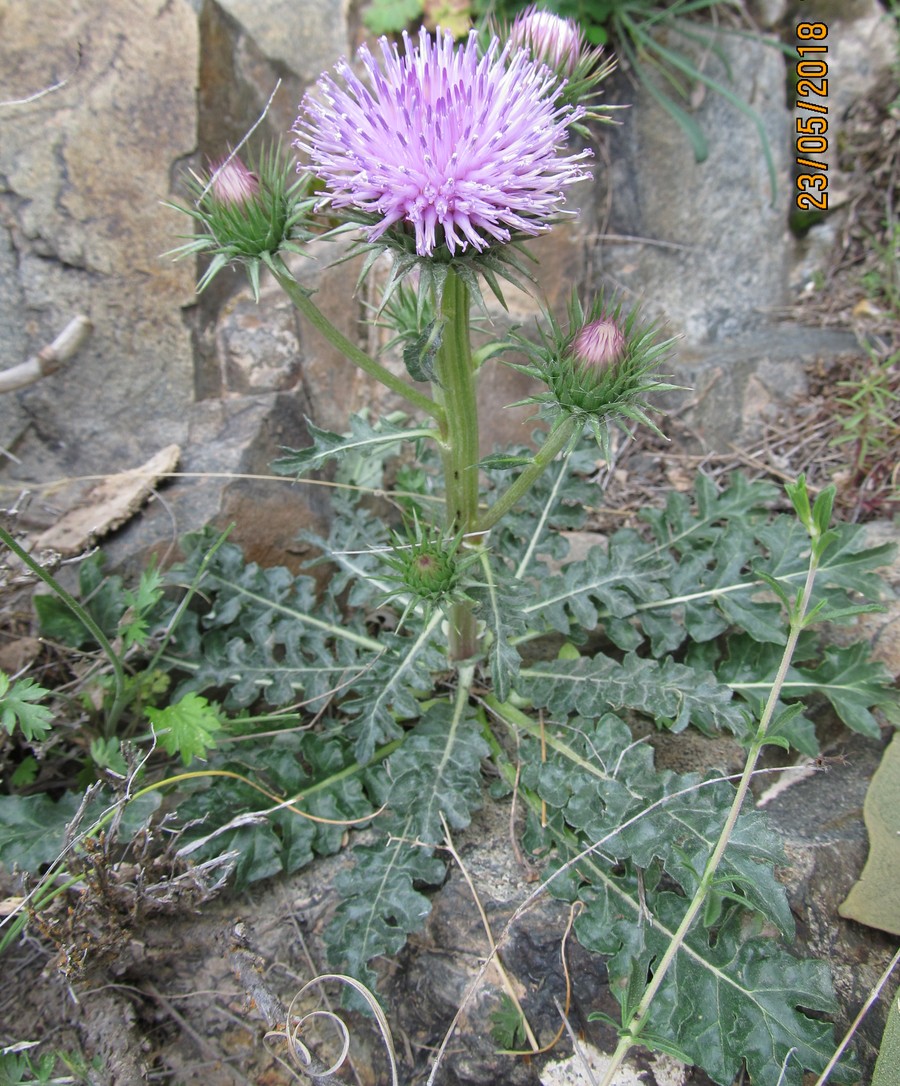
(188,596)
(632,1032)
(354,354)
(549,504)
(463,690)
(563,434)
(121,695)
(455,388)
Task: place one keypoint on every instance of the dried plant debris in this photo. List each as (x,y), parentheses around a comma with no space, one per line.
(875,897)
(108,505)
(98,923)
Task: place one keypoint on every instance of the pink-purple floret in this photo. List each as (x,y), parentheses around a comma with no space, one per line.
(466,148)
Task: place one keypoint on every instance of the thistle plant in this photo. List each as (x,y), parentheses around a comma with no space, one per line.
(449,157)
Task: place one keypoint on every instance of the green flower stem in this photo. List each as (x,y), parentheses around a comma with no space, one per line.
(564,432)
(632,1031)
(455,388)
(120,699)
(354,354)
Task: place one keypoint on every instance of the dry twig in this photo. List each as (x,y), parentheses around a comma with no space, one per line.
(48,359)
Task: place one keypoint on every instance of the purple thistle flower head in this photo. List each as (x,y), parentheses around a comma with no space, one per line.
(461,148)
(552,39)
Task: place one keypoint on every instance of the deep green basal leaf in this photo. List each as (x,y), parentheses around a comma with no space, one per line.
(381,903)
(436,772)
(667,692)
(33,829)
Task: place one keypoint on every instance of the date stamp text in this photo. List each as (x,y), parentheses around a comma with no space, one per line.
(812,116)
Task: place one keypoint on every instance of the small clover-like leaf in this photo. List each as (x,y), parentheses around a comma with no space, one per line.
(188,727)
(19,704)
(508,1024)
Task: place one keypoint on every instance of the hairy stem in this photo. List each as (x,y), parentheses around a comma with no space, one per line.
(455,388)
(354,354)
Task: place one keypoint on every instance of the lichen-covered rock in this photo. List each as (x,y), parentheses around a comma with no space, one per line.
(83,171)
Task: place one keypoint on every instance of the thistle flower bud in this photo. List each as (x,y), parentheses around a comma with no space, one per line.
(247,216)
(427,566)
(560,45)
(232,183)
(602,368)
(424,566)
(600,344)
(549,38)
(430,574)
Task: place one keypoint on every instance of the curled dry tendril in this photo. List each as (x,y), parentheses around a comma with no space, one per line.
(303,1059)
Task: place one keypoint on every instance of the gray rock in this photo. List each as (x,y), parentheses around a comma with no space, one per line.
(82,172)
(14,334)
(259,347)
(768,13)
(246,47)
(710,248)
(741,383)
(444,962)
(814,256)
(304,38)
